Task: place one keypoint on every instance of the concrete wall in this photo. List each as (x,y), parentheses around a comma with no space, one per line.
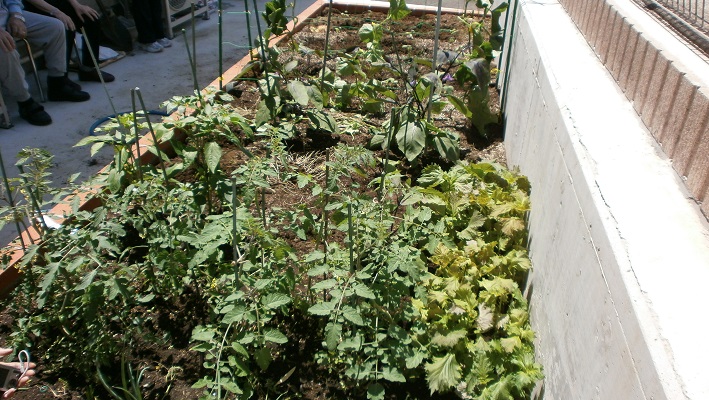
(620,249)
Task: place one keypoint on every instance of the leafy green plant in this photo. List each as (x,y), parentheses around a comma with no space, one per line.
(474,74)
(130,383)
(399,284)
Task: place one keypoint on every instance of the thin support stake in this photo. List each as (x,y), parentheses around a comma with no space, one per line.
(327,42)
(152,133)
(137,135)
(219,26)
(248,28)
(434,66)
(195,85)
(98,69)
(263,51)
(235,248)
(350,231)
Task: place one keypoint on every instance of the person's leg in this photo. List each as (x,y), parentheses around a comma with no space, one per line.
(91,42)
(141,10)
(87,69)
(156,7)
(49,33)
(66,8)
(12,78)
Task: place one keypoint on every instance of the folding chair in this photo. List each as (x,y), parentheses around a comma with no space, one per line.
(30,55)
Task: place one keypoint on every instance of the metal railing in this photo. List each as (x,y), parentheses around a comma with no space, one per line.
(688,17)
(695,12)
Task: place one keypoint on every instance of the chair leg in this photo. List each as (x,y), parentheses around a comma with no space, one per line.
(34,69)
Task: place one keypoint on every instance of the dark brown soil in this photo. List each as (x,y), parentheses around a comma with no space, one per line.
(169,371)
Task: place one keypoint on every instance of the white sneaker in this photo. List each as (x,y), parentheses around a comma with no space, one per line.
(153,47)
(165,42)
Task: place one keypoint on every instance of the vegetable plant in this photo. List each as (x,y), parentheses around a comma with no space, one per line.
(380,272)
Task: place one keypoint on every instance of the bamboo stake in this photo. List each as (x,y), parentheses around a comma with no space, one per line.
(152,132)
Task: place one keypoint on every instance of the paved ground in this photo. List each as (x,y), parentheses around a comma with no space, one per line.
(159,77)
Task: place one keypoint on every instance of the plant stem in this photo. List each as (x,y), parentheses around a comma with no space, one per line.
(35,203)
(15,215)
(386,153)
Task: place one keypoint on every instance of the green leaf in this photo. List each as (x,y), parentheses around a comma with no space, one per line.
(263,357)
(316,97)
(263,113)
(299,92)
(46,283)
(290,65)
(237,314)
(485,318)
(352,315)
(323,121)
(392,374)
(275,336)
(87,280)
(324,285)
(415,359)
(314,256)
(450,339)
(147,298)
(322,308)
(212,155)
(365,292)
(510,343)
(398,9)
(443,373)
(460,106)
(353,343)
(370,33)
(447,146)
(275,300)
(411,139)
(333,332)
(202,334)
(375,391)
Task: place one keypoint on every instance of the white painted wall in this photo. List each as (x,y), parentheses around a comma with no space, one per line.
(620,254)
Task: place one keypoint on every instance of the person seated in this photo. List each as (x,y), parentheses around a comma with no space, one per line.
(40,31)
(147,15)
(75,16)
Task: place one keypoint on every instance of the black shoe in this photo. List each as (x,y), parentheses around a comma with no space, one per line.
(71,83)
(90,75)
(34,113)
(61,89)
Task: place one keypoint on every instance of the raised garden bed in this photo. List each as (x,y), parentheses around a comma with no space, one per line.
(315,235)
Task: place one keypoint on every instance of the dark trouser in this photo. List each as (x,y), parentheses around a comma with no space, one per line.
(92,28)
(148,20)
